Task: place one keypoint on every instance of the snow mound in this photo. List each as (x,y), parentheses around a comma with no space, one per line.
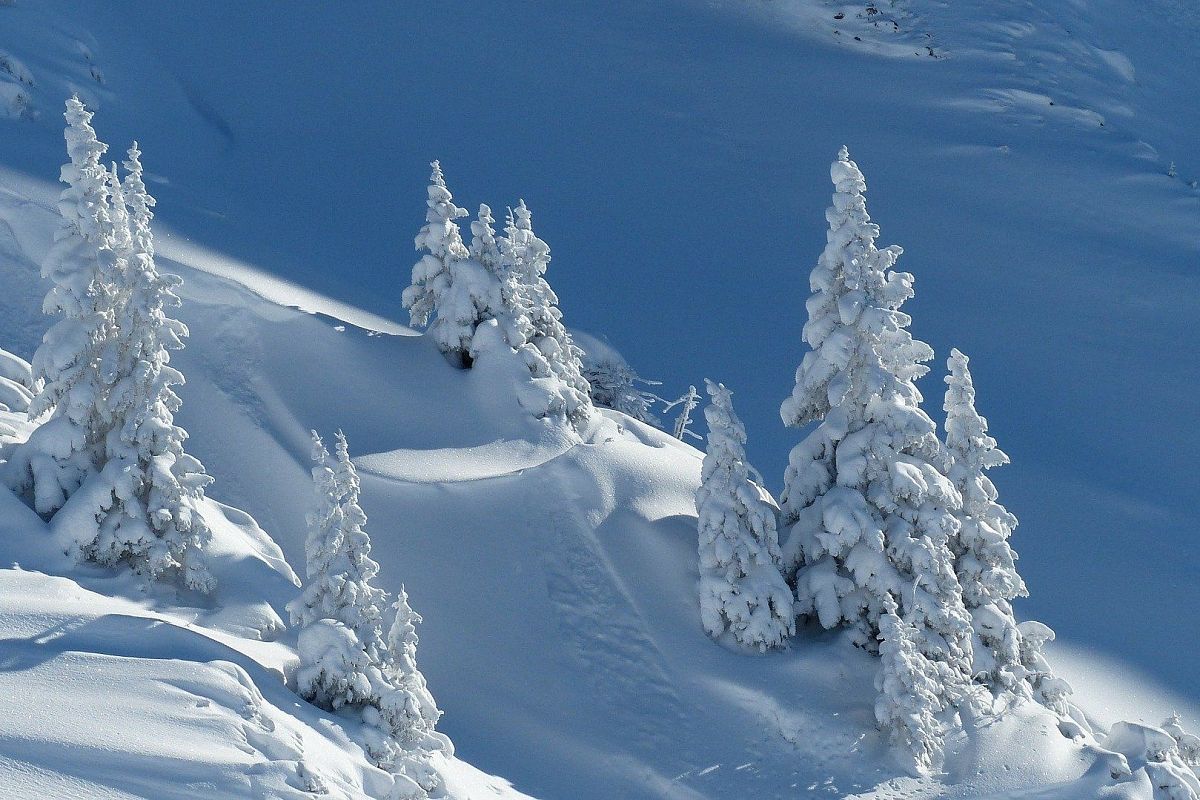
(450,464)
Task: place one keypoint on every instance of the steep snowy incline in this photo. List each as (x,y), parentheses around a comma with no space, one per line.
(562,636)
(557,578)
(1023,166)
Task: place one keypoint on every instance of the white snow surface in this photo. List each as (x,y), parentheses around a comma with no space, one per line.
(557,582)
(556,572)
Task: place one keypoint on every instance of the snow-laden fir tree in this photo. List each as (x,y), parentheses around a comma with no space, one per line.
(337,555)
(683,422)
(485,248)
(82,265)
(870,510)
(410,710)
(346,663)
(510,306)
(407,709)
(910,694)
(544,344)
(142,508)
(614,384)
(742,591)
(334,672)
(336,602)
(984,562)
(441,241)
(457,291)
(515,320)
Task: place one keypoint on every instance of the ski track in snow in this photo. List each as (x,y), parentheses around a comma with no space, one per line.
(599,619)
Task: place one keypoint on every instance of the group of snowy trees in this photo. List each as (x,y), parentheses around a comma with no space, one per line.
(491,298)
(892,533)
(347,663)
(107,461)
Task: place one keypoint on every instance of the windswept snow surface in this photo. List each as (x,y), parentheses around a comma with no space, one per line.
(557,577)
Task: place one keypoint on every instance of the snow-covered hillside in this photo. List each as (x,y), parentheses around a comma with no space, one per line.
(1019,157)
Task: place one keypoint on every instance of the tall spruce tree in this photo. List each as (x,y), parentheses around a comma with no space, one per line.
(441,241)
(484,246)
(407,709)
(338,565)
(870,511)
(147,515)
(984,562)
(554,361)
(410,710)
(346,663)
(450,287)
(742,592)
(82,265)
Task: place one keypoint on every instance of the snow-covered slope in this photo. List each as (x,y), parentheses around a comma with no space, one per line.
(681,147)
(557,578)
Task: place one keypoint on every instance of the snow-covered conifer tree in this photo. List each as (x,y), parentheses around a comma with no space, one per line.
(484,246)
(553,359)
(984,562)
(409,710)
(614,384)
(345,662)
(144,510)
(457,291)
(334,672)
(442,242)
(514,317)
(742,591)
(81,265)
(337,666)
(338,565)
(687,404)
(910,695)
(406,708)
(509,306)
(871,512)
